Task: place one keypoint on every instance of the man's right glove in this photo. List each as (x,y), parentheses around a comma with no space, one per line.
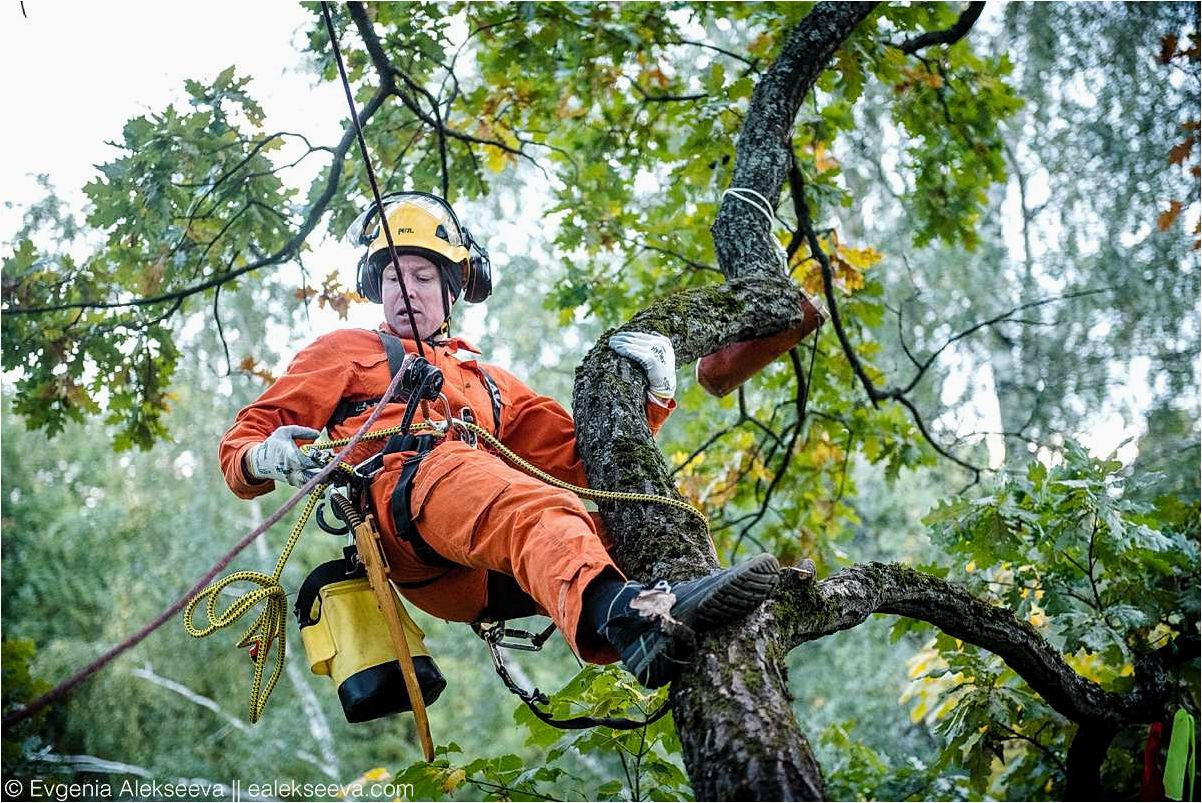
(653,352)
(279,458)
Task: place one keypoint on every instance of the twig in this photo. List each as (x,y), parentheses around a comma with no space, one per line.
(289,249)
(229,366)
(945,37)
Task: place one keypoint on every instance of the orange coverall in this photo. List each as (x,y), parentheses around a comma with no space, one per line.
(469,505)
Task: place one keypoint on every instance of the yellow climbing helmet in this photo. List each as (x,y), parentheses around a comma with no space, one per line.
(426,225)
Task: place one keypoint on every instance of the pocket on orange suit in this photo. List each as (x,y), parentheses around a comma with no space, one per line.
(451,497)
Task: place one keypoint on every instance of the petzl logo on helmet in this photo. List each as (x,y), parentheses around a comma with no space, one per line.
(402,231)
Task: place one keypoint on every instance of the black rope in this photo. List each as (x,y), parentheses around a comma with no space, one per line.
(371,174)
(494,638)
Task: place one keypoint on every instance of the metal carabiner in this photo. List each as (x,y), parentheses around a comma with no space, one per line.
(469,437)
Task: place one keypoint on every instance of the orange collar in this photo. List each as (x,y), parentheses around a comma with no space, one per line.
(451,344)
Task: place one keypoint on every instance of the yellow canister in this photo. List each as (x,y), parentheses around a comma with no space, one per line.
(346,638)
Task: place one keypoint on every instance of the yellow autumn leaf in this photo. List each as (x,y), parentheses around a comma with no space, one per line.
(1159,634)
(678,458)
(453,780)
(495,158)
(1086,664)
(846,274)
(861,258)
(945,707)
(921,662)
(822,158)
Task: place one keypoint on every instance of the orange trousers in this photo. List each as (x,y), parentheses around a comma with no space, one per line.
(476,510)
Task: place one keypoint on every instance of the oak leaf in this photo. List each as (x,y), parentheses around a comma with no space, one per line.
(1181,151)
(1165,220)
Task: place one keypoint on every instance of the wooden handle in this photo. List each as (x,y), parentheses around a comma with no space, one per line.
(367,540)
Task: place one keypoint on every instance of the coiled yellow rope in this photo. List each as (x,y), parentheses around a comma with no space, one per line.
(270,625)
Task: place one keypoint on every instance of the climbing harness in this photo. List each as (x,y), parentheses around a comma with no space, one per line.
(269,627)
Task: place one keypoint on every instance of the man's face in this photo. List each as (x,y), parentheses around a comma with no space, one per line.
(425,296)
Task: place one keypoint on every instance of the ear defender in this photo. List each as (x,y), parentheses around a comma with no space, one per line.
(477,278)
(367,280)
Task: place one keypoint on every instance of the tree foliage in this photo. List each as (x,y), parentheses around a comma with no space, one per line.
(611,132)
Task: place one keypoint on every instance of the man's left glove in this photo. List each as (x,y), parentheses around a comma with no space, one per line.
(654,353)
(279,458)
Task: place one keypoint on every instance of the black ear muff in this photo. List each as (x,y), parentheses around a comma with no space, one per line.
(367,282)
(477,280)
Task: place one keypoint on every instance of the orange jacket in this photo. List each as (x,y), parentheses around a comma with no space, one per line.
(352,364)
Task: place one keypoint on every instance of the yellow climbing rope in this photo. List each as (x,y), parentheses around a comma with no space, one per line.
(585,493)
(270,625)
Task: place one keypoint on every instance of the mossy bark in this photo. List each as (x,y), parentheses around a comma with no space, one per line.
(732,707)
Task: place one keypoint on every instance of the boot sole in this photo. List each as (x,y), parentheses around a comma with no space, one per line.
(750,584)
(747,586)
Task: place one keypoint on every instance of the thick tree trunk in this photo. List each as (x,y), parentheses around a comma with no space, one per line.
(732,708)
(1084,762)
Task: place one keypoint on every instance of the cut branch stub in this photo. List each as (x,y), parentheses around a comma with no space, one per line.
(612,433)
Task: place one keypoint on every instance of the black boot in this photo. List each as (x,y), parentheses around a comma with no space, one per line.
(655,629)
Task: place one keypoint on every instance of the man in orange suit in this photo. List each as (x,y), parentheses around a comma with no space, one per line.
(466,535)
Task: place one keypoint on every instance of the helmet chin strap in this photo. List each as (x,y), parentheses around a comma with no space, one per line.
(446,305)
(446,309)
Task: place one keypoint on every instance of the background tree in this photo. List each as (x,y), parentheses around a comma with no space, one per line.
(629,121)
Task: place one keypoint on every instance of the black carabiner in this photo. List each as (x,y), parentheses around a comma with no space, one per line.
(325,525)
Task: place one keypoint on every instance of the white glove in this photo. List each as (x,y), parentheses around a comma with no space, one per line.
(654,353)
(279,458)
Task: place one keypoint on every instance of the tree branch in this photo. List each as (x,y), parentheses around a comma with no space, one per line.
(721,723)
(1004,317)
(289,250)
(875,395)
(389,72)
(945,37)
(808,611)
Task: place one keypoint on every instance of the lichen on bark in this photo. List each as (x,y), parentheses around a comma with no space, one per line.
(732,708)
